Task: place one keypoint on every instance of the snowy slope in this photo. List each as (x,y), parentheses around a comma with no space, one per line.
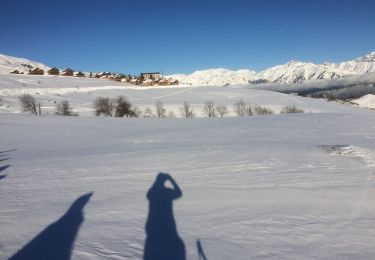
(360,65)
(291,72)
(367,101)
(9,64)
(269,187)
(81,92)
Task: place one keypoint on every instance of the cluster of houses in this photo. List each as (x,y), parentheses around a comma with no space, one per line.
(54,71)
(145,79)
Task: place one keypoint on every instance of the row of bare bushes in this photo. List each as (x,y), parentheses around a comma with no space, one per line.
(122,107)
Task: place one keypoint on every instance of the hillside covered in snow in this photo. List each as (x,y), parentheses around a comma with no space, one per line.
(289,73)
(9,64)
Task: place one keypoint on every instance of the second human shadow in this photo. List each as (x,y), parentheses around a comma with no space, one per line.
(162,241)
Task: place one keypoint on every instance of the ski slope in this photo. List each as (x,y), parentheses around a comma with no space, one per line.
(297,186)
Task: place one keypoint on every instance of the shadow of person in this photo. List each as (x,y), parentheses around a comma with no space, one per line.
(56,241)
(162,240)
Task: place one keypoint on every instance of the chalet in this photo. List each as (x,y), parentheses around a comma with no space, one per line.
(173,82)
(134,81)
(126,79)
(68,72)
(54,71)
(36,71)
(147,82)
(150,75)
(16,72)
(79,74)
(119,77)
(163,82)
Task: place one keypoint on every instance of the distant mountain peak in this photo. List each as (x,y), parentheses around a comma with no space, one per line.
(293,62)
(370,57)
(294,71)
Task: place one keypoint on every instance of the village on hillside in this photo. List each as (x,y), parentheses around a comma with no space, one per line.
(144,79)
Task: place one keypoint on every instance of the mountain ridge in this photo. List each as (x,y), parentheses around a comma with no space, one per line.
(291,72)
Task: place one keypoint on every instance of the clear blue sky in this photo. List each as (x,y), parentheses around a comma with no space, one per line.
(131,36)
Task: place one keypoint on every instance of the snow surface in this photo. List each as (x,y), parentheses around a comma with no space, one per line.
(297,186)
(367,101)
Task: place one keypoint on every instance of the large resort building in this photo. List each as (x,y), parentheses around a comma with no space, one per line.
(150,75)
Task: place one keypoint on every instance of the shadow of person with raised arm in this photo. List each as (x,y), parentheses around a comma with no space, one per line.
(57,240)
(162,241)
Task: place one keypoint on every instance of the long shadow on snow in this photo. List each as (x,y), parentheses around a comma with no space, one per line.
(57,240)
(7,151)
(2,168)
(162,241)
(2,176)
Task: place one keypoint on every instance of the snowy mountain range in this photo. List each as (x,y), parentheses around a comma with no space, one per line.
(289,73)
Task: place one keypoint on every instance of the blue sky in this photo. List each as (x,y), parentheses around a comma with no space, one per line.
(131,36)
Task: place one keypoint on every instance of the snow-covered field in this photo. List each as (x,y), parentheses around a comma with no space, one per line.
(296,186)
(81,92)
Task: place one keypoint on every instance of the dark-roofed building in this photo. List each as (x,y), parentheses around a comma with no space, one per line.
(68,72)
(54,71)
(80,74)
(16,72)
(150,75)
(36,71)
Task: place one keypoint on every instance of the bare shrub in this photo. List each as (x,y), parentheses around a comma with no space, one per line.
(103,106)
(186,110)
(291,109)
(160,111)
(222,110)
(209,109)
(241,108)
(30,104)
(123,107)
(64,109)
(148,113)
(258,110)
